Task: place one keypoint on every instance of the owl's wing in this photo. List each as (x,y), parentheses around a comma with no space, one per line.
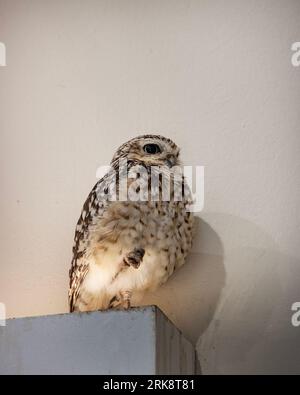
(79,265)
(92,211)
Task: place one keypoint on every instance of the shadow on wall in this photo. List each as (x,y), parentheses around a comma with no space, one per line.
(191,295)
(251,332)
(243,327)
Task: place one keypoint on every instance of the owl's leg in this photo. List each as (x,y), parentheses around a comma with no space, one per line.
(134,257)
(126,296)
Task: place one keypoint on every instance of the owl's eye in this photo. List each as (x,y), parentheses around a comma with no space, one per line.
(152,149)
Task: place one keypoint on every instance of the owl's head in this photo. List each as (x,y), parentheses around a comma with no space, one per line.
(149,150)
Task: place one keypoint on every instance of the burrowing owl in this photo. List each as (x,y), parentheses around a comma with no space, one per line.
(126,245)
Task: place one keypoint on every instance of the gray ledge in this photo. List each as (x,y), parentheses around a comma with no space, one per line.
(137,341)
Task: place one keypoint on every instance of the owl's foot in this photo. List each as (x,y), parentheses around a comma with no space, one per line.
(114,302)
(134,258)
(126,296)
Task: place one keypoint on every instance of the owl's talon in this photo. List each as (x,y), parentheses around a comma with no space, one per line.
(126,296)
(114,302)
(134,258)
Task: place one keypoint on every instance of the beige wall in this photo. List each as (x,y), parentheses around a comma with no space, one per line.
(216,76)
